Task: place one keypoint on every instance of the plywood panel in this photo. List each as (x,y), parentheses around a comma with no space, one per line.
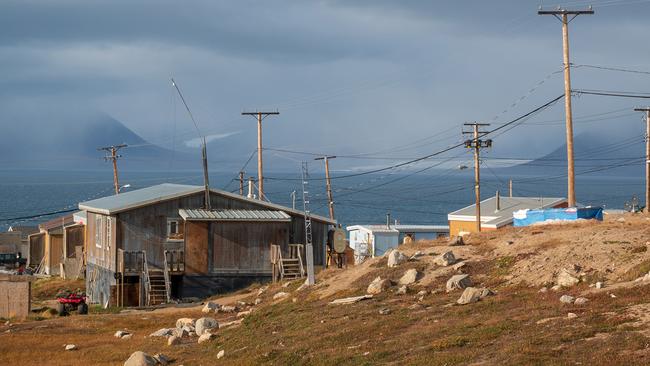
(196,248)
(55,252)
(14,299)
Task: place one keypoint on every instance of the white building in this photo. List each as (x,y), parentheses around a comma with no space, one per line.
(376,240)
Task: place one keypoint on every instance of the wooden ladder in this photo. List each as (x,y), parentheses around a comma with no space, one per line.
(157,293)
(292,267)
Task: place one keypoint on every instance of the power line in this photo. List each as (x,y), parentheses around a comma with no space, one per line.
(609,68)
(611,94)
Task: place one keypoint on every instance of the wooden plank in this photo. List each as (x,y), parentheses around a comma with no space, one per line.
(196,248)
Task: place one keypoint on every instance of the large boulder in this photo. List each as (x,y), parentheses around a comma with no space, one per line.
(139,358)
(378,285)
(395,258)
(210,307)
(409,277)
(567,299)
(205,324)
(473,294)
(566,279)
(459,282)
(445,259)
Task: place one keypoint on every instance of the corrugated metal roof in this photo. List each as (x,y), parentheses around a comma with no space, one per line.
(491,217)
(400,228)
(233,215)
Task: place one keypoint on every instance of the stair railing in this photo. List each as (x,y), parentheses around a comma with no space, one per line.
(167,280)
(145,277)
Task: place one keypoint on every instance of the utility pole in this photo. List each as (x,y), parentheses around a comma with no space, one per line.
(647,157)
(260,175)
(309,247)
(241,183)
(510,187)
(112,150)
(477,144)
(329,183)
(563,16)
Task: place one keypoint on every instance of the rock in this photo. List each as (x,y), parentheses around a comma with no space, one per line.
(128,336)
(164,332)
(459,266)
(121,334)
(556,288)
(188,328)
(395,258)
(262,290)
(162,359)
(210,307)
(473,294)
(204,324)
(227,309)
(350,300)
(571,315)
(242,314)
(173,340)
(280,296)
(70,347)
(420,295)
(416,306)
(416,255)
(257,301)
(456,241)
(445,259)
(620,219)
(402,290)
(205,337)
(567,299)
(378,285)
(180,323)
(140,358)
(384,311)
(600,285)
(459,282)
(180,333)
(543,290)
(231,324)
(566,279)
(221,354)
(581,301)
(409,277)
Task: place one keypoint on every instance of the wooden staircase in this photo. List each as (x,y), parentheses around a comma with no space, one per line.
(291,268)
(157,293)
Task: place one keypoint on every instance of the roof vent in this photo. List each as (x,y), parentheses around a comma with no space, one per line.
(498,202)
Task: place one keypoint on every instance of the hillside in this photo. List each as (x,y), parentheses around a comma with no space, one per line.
(522,321)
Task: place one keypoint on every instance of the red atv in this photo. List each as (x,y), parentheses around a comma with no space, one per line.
(71,301)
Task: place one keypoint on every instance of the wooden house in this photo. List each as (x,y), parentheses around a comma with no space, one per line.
(57,241)
(496,212)
(152,244)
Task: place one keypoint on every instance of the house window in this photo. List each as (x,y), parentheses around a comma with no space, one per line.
(174,231)
(99,238)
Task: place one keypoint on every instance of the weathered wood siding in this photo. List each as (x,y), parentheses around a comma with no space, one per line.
(74,237)
(54,251)
(36,249)
(102,253)
(196,247)
(245,247)
(15,297)
(318,234)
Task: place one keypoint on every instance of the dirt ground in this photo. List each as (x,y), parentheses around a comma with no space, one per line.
(518,325)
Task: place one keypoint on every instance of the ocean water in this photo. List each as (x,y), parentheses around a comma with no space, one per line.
(411,199)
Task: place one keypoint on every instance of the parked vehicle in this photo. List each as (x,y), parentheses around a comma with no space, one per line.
(71,301)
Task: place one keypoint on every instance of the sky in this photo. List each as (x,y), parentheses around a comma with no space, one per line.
(393,79)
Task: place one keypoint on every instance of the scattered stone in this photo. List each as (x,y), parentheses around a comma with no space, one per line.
(567,299)
(459,282)
(287,284)
(257,301)
(378,285)
(280,295)
(128,336)
(620,219)
(416,255)
(233,323)
(402,290)
(227,309)
(459,266)
(456,241)
(409,277)
(204,324)
(350,300)
(395,258)
(571,315)
(139,358)
(173,340)
(384,311)
(182,322)
(210,307)
(295,299)
(600,285)
(566,279)
(556,288)
(416,306)
(164,332)
(473,294)
(445,259)
(581,301)
(70,347)
(543,290)
(420,295)
(205,337)
(242,314)
(221,354)
(262,290)
(162,359)
(180,333)
(121,334)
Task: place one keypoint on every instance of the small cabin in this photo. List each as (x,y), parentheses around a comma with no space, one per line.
(57,241)
(376,240)
(147,246)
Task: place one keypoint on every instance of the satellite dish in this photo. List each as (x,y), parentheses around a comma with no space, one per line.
(339,241)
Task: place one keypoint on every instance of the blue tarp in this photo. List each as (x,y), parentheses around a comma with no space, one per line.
(529,217)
